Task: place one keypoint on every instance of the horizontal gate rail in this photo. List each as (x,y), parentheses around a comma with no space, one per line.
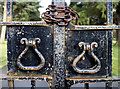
(94,80)
(76,27)
(37,78)
(24,23)
(96,27)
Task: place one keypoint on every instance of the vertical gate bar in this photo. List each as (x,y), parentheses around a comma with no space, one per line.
(59,57)
(9,18)
(108,85)
(33,84)
(109,5)
(119,57)
(11,84)
(86,85)
(9,10)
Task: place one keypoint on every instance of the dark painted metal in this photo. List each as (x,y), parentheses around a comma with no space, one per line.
(9,10)
(59,46)
(59,57)
(109,22)
(75,27)
(96,27)
(109,85)
(11,84)
(73,50)
(59,54)
(38,23)
(15,48)
(86,86)
(109,6)
(33,84)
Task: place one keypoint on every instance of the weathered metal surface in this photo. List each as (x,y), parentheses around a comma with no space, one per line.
(33,84)
(109,7)
(37,78)
(59,57)
(110,53)
(58,14)
(11,84)
(102,52)
(53,53)
(59,54)
(71,82)
(38,23)
(95,27)
(75,27)
(31,42)
(9,10)
(86,86)
(47,79)
(87,47)
(30,58)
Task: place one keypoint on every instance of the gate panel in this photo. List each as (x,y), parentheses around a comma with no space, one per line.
(30,50)
(95,45)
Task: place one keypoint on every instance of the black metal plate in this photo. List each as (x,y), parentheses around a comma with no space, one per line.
(15,34)
(103,52)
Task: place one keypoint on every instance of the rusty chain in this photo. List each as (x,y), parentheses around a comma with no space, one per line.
(57,14)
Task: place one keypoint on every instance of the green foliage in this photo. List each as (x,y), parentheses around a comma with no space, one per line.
(93,12)
(90,12)
(26,11)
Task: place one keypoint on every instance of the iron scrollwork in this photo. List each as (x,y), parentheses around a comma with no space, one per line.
(30,42)
(81,57)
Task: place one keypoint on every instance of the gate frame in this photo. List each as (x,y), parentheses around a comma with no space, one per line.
(62,83)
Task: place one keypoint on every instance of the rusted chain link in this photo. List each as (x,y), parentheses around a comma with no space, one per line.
(57,14)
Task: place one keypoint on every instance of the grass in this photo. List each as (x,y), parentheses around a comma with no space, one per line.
(3,57)
(3,54)
(115,59)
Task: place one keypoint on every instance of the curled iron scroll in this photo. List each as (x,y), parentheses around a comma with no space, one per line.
(30,42)
(81,57)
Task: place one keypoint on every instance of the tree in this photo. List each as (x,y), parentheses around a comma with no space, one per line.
(90,12)
(26,11)
(94,13)
(22,11)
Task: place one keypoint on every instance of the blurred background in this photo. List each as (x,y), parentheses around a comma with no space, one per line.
(91,13)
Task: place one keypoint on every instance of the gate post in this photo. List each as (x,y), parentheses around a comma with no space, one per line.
(59,57)
(109,5)
(11,84)
(9,18)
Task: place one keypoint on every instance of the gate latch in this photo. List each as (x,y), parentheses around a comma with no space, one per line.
(30,42)
(81,57)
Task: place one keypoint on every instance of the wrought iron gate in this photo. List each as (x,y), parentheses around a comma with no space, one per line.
(58,52)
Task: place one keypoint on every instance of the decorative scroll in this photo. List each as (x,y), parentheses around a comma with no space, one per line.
(81,57)
(30,42)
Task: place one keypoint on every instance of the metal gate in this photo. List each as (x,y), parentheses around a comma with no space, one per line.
(58,52)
